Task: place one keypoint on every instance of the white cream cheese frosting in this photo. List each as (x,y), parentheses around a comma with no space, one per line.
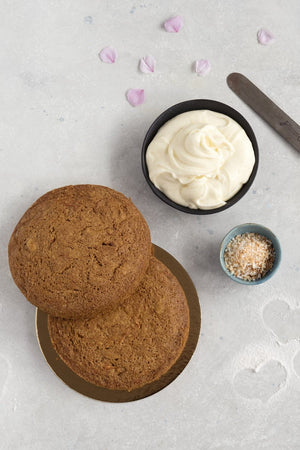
(200,159)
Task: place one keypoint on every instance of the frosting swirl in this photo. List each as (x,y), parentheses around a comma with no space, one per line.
(200,159)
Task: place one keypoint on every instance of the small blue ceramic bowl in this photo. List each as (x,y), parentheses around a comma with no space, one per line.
(251,228)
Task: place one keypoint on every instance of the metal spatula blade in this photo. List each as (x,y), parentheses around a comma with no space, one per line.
(265,108)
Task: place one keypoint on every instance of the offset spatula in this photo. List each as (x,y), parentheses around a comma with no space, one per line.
(265,108)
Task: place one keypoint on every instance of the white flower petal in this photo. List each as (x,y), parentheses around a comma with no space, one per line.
(108,55)
(147,64)
(202,67)
(265,37)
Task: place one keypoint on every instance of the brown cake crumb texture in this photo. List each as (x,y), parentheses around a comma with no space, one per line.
(249,256)
(79,250)
(133,345)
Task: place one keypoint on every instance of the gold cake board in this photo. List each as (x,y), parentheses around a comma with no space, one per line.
(98,393)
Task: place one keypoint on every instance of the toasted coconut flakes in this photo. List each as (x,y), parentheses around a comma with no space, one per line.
(249,256)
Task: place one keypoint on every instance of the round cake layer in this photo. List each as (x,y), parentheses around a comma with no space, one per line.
(79,250)
(133,345)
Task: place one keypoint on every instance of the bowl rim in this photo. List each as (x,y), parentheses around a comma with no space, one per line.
(236,231)
(191,105)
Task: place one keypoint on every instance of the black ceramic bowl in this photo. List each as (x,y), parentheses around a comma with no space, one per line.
(192,105)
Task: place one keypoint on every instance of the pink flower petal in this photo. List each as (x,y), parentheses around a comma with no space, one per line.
(174,24)
(202,67)
(147,64)
(135,96)
(264,37)
(108,55)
